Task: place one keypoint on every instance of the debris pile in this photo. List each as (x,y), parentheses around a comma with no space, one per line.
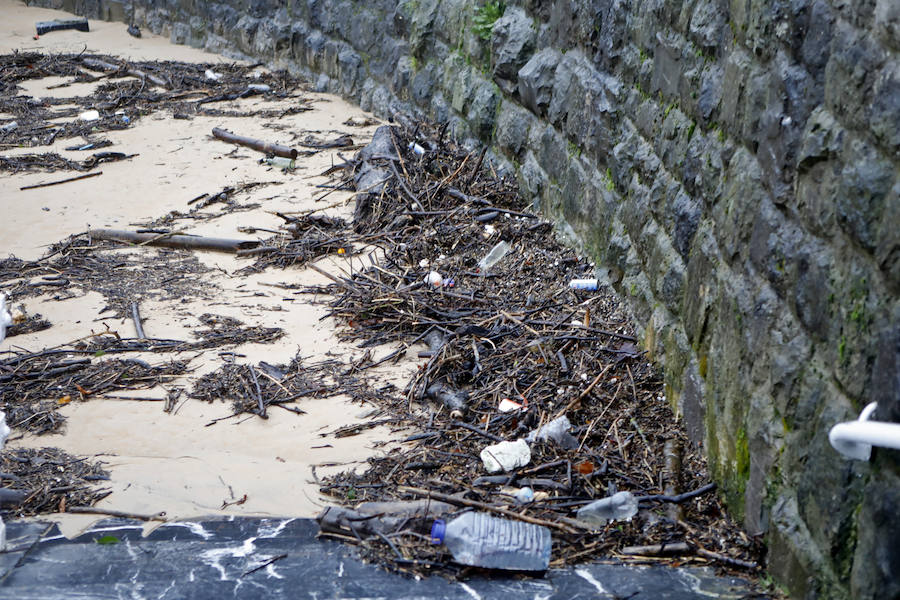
(532,399)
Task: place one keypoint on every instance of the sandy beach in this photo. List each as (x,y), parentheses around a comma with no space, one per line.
(173,462)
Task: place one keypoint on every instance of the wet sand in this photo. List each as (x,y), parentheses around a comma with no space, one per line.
(173,462)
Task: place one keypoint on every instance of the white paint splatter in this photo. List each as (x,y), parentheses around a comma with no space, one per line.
(194,527)
(213,557)
(267,530)
(590,579)
(271,572)
(341,569)
(470,591)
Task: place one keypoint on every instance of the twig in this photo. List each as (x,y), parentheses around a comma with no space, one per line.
(680,497)
(264,565)
(259,399)
(92,510)
(49,183)
(473,429)
(136,315)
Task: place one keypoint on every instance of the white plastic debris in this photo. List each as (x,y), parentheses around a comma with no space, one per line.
(434,279)
(424,263)
(507,405)
(506,456)
(489,230)
(5,321)
(583,284)
(524,495)
(416,149)
(212,75)
(89,115)
(259,87)
(494,256)
(618,507)
(556,430)
(11,126)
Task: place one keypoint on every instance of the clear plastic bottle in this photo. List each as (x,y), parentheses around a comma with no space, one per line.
(481,540)
(618,507)
(493,257)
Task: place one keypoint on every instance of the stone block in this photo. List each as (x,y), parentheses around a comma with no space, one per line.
(531,178)
(877,561)
(483,109)
(735,213)
(536,80)
(667,66)
(816,46)
(512,43)
(709,24)
(513,125)
(886,370)
(860,197)
(887,22)
(737,71)
(887,253)
(858,319)
(812,287)
(423,84)
(884,110)
(853,66)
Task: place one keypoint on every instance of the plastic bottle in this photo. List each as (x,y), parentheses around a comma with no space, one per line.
(280,162)
(481,540)
(494,256)
(618,507)
(583,284)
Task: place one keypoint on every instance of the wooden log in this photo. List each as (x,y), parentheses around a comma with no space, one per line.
(259,145)
(190,242)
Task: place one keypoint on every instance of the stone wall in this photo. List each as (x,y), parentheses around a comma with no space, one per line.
(733,164)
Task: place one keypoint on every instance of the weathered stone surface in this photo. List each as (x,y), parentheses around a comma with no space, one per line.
(536,80)
(512,42)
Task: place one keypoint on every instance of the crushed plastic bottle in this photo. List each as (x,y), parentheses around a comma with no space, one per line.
(494,256)
(481,540)
(618,507)
(556,430)
(416,149)
(11,126)
(259,87)
(506,456)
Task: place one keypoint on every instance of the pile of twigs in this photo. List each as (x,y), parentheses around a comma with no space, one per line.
(48,480)
(511,335)
(127,90)
(33,386)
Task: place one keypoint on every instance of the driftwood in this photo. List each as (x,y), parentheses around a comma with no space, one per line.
(191,242)
(67,180)
(92,510)
(94,63)
(261,146)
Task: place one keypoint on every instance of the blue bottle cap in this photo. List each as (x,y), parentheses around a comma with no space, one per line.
(437,531)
